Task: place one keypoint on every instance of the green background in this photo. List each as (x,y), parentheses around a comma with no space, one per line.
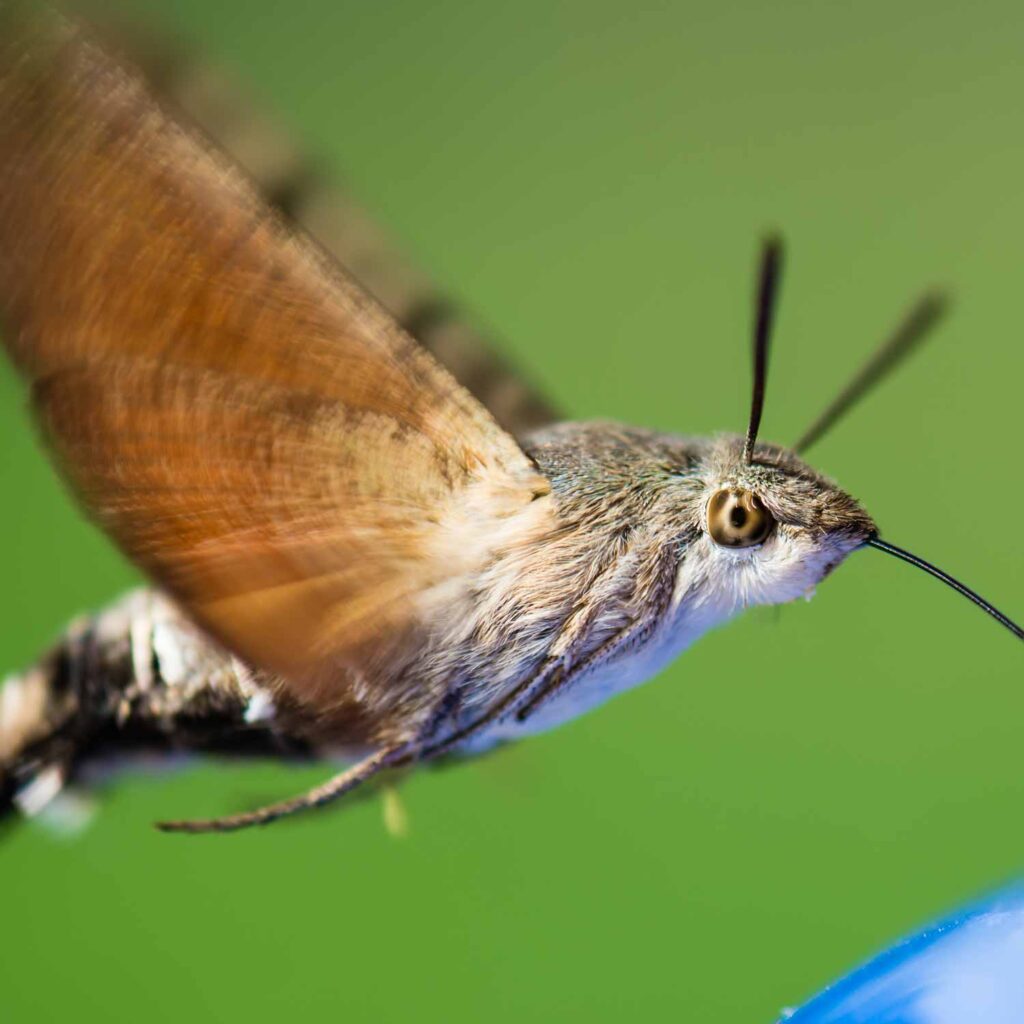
(800,787)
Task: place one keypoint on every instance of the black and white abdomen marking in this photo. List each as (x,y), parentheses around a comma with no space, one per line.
(139,678)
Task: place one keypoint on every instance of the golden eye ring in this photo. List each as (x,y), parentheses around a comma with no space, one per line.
(737,518)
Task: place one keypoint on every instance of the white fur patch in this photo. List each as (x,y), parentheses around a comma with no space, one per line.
(34,796)
(260,708)
(68,814)
(22,710)
(168,648)
(141,639)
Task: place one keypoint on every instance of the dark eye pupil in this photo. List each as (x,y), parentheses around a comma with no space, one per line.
(736,517)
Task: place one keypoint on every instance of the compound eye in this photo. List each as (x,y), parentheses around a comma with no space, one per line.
(737,519)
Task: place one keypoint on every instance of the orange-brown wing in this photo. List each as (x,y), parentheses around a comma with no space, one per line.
(306,195)
(249,426)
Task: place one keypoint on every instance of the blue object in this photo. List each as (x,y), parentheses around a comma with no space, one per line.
(965,969)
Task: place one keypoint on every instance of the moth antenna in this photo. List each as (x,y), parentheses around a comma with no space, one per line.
(325,793)
(935,571)
(769,272)
(915,326)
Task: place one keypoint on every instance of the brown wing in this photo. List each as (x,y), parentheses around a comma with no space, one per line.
(301,191)
(248,425)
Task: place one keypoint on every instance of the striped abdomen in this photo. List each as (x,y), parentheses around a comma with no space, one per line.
(136,678)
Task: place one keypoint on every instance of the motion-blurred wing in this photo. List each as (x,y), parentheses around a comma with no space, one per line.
(250,427)
(298,188)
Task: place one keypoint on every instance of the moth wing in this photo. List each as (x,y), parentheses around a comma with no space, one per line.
(251,428)
(303,191)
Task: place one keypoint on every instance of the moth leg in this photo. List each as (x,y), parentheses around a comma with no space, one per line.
(396,818)
(493,713)
(548,675)
(554,685)
(546,679)
(572,633)
(551,674)
(342,783)
(637,630)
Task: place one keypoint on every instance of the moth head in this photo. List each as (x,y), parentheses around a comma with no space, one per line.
(772,526)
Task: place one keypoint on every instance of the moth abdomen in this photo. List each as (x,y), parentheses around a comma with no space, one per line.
(136,679)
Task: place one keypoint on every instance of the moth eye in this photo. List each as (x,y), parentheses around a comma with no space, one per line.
(737,519)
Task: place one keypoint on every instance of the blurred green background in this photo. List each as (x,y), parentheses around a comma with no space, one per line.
(801,786)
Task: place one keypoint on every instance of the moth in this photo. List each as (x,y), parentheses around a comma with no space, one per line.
(368,540)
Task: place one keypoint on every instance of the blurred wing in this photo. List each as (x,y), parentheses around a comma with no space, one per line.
(296,187)
(250,427)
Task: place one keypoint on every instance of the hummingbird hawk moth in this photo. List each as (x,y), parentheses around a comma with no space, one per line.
(368,538)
